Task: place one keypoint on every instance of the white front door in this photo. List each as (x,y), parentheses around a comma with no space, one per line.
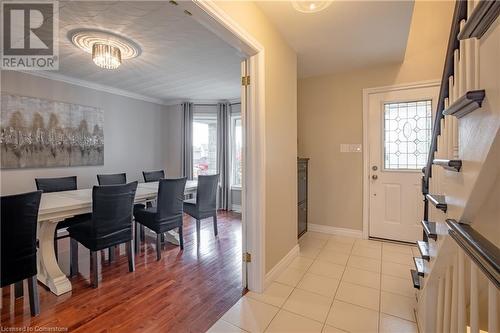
(399,134)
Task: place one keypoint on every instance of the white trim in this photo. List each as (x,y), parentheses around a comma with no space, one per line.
(366,144)
(281,265)
(236,208)
(120,92)
(95,86)
(200,101)
(326,229)
(209,14)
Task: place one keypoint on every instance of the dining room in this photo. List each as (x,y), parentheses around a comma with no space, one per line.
(121,174)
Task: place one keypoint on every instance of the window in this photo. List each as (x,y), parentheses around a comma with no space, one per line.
(236,151)
(407,134)
(204,143)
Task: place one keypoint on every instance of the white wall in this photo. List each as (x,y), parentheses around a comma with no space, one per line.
(137,134)
(330,113)
(280,139)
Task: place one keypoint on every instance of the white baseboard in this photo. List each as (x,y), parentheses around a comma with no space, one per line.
(335,231)
(236,208)
(280,266)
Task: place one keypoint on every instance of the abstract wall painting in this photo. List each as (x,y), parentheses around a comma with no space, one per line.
(39,133)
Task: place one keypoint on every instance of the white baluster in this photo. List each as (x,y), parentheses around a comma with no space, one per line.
(456,75)
(462,63)
(472,54)
(454,124)
(440,305)
(454,297)
(475,44)
(447,301)
(451,98)
(441,139)
(461,320)
(449,132)
(469,63)
(470,7)
(474,299)
(456,95)
(492,308)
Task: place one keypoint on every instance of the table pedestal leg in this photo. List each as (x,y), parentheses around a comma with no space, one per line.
(49,272)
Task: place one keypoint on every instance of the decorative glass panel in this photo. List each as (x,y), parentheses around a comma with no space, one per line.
(407,134)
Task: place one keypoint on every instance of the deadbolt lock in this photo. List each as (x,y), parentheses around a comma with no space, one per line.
(374,168)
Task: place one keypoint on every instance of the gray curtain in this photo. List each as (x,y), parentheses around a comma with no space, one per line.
(187,140)
(223,153)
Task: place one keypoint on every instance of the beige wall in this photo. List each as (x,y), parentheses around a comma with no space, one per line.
(134,133)
(330,113)
(281,129)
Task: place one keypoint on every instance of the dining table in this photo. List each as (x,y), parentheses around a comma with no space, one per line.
(55,207)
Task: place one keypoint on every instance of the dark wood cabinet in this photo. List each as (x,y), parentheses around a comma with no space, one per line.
(302,174)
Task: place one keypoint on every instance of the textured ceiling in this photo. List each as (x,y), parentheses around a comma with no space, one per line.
(344,36)
(180,58)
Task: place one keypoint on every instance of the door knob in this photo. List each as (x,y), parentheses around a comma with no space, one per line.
(374,177)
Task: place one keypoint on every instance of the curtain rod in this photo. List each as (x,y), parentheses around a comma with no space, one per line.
(215,104)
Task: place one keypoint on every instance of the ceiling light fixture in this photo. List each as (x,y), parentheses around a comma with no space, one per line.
(106,56)
(107,49)
(305,6)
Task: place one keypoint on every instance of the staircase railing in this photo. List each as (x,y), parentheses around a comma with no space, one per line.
(463,294)
(458,270)
(460,13)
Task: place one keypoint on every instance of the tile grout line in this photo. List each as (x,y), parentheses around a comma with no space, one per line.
(286,299)
(307,271)
(336,290)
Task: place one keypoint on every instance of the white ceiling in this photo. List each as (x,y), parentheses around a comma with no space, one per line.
(180,60)
(344,36)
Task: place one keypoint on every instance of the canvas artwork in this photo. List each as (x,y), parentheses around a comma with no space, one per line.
(38,133)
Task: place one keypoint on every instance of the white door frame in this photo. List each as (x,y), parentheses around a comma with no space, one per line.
(215,19)
(366,142)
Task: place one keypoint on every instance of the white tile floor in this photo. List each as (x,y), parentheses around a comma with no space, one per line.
(336,284)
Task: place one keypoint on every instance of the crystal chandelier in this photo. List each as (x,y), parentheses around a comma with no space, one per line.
(106,56)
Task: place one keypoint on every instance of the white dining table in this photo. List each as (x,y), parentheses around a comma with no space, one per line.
(56,207)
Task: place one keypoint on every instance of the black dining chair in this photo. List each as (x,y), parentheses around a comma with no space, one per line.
(112,179)
(18,224)
(153,176)
(150,176)
(109,225)
(167,215)
(205,203)
(59,184)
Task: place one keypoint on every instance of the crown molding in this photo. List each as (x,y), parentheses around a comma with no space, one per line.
(95,86)
(121,92)
(201,101)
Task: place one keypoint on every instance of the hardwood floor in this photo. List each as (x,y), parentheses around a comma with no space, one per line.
(183,292)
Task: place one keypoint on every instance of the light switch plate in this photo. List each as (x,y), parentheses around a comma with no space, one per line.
(355,148)
(350,148)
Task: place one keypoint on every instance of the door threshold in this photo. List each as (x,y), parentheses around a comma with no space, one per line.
(386,240)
